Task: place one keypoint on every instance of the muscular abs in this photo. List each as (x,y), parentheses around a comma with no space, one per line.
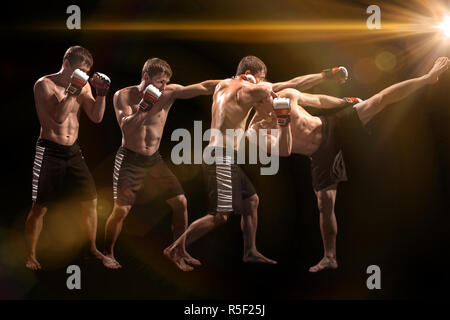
(145,138)
(66,132)
(143,133)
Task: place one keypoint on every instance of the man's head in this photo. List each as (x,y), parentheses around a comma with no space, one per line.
(254,66)
(77,57)
(156,72)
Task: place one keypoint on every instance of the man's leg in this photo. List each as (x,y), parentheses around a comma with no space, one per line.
(180,217)
(326,199)
(177,253)
(89,223)
(33,228)
(179,222)
(249,224)
(372,106)
(112,230)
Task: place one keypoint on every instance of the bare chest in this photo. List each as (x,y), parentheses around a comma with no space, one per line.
(156,116)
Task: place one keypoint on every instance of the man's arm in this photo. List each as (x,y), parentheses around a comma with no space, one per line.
(277,110)
(256,95)
(274,134)
(301,83)
(44,96)
(187,92)
(319,101)
(126,115)
(276,126)
(94,108)
(313,100)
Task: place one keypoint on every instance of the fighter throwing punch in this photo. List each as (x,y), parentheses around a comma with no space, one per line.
(324,138)
(141,112)
(58,162)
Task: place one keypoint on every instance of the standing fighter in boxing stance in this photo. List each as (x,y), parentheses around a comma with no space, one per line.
(58,161)
(324,138)
(141,112)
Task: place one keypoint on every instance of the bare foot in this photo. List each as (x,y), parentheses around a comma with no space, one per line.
(110,262)
(324,264)
(191,260)
(94,254)
(257,257)
(179,259)
(32,264)
(440,65)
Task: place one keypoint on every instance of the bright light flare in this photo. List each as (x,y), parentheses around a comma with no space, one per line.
(445,27)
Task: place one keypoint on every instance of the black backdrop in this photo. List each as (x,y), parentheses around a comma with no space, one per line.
(393,212)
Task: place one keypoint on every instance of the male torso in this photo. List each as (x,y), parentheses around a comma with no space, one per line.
(306,129)
(144,136)
(65,132)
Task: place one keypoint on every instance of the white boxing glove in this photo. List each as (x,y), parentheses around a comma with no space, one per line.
(282,108)
(77,81)
(150,97)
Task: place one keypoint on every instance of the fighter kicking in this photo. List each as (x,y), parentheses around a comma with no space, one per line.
(141,112)
(58,162)
(324,138)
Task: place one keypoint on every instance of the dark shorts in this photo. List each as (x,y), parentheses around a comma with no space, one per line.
(327,163)
(132,169)
(227,186)
(59,169)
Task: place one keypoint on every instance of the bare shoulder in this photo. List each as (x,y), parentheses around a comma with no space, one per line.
(171,89)
(225,83)
(44,83)
(289,93)
(123,95)
(263,122)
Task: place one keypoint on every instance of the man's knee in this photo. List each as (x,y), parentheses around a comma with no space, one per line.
(38,210)
(89,205)
(220,218)
(121,211)
(325,201)
(178,203)
(253,202)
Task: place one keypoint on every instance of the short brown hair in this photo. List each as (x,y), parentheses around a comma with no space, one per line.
(78,54)
(252,63)
(155,66)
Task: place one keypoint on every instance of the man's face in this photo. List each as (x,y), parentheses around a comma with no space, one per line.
(160,81)
(82,66)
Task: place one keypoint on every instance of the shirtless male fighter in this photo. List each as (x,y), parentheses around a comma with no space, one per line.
(229,189)
(58,161)
(324,138)
(141,112)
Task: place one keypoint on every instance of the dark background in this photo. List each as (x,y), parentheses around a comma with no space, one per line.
(393,212)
